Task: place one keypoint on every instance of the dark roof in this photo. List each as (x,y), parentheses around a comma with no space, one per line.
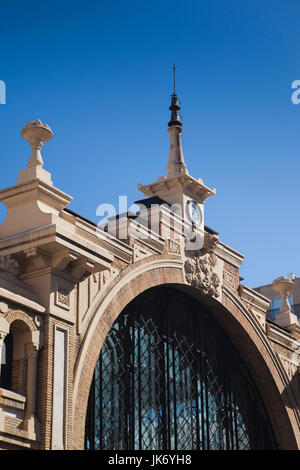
(80,216)
(152,200)
(146,202)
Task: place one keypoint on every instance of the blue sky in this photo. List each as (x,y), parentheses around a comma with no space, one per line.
(99,73)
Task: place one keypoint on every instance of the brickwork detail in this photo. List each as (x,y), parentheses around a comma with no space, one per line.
(14,315)
(19,376)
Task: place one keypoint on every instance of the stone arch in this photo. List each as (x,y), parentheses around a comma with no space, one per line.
(236,321)
(19,332)
(21,316)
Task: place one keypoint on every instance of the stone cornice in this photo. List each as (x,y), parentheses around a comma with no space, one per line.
(30,191)
(21,300)
(14,290)
(254,298)
(226,253)
(51,234)
(283,335)
(184,181)
(93,233)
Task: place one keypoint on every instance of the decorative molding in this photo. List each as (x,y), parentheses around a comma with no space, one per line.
(9,265)
(90,288)
(140,253)
(229,279)
(62,297)
(228,254)
(260,317)
(254,298)
(14,315)
(290,366)
(199,272)
(3,307)
(38,321)
(172,246)
(105,278)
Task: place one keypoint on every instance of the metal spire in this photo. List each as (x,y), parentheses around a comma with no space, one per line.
(176,163)
(175,119)
(174,93)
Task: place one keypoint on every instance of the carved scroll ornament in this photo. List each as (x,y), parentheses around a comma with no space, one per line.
(199,272)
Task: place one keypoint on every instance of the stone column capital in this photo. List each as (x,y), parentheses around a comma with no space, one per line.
(4,327)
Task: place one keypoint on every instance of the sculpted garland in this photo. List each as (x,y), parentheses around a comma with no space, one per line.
(199,270)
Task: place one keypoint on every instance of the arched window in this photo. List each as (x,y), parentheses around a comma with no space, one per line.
(6,362)
(168,378)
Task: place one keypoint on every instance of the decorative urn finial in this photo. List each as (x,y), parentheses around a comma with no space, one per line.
(285,318)
(36,133)
(284,287)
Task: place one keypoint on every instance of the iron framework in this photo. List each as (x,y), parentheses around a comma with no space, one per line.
(168,378)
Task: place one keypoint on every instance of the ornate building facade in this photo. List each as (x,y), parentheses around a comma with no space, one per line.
(137,334)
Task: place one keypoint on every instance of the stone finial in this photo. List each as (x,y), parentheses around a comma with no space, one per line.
(284,287)
(36,133)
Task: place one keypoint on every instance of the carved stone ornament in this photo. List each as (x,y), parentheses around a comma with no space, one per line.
(3,307)
(172,246)
(291,365)
(62,297)
(210,243)
(229,279)
(199,272)
(38,321)
(9,265)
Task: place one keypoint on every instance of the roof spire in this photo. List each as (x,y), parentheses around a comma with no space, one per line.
(176,163)
(174,77)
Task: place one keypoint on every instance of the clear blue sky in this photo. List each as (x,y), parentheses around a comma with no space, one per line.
(99,73)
